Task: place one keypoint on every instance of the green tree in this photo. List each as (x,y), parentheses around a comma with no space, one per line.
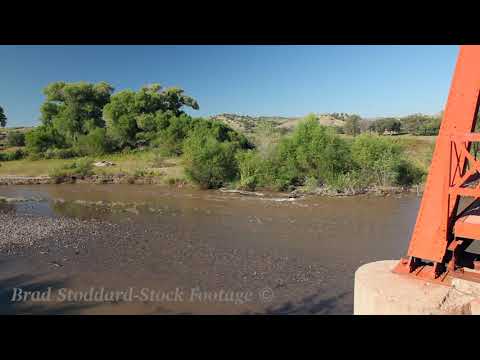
(352,125)
(15,138)
(40,139)
(74,109)
(419,124)
(3,118)
(94,143)
(146,111)
(385,124)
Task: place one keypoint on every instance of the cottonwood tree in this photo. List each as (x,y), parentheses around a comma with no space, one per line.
(74,109)
(146,110)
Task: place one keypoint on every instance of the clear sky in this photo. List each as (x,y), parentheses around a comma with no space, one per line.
(250,80)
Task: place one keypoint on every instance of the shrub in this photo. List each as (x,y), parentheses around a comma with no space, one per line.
(250,169)
(43,137)
(15,138)
(220,132)
(12,155)
(408,174)
(94,143)
(80,167)
(313,151)
(170,139)
(174,130)
(311,183)
(59,153)
(142,172)
(349,183)
(382,161)
(209,162)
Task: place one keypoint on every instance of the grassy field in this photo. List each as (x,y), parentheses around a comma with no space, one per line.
(135,163)
(419,149)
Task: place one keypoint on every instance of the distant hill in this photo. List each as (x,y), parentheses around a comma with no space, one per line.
(245,123)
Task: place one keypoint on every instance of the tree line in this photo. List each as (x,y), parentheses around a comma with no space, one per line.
(88,119)
(415,124)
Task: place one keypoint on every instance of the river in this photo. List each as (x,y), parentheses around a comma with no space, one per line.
(183,251)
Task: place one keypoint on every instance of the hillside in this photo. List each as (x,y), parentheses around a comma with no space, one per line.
(248,124)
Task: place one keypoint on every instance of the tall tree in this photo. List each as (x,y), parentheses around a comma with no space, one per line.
(3,118)
(386,124)
(352,125)
(146,110)
(74,109)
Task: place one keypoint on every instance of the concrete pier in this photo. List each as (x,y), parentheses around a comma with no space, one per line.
(378,291)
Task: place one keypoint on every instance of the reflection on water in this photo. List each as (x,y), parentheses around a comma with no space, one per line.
(338,234)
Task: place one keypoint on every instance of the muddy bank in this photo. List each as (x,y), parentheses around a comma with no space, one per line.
(152,180)
(94,179)
(25,180)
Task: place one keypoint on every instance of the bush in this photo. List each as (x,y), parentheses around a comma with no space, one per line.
(12,155)
(313,151)
(42,138)
(382,161)
(80,167)
(172,134)
(209,162)
(59,153)
(175,129)
(319,151)
(250,169)
(15,138)
(315,155)
(349,183)
(94,143)
(408,174)
(220,132)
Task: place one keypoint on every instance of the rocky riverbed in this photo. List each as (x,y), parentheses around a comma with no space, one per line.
(296,256)
(65,253)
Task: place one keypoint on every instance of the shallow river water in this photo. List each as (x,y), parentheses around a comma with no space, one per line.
(280,256)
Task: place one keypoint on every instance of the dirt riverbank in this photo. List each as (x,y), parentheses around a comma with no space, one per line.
(152,180)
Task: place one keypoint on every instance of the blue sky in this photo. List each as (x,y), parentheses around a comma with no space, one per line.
(251,80)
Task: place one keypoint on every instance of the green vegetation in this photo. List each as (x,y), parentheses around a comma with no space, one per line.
(147,133)
(134,118)
(315,155)
(389,125)
(415,124)
(419,124)
(382,162)
(352,125)
(80,167)
(3,118)
(12,155)
(15,138)
(209,162)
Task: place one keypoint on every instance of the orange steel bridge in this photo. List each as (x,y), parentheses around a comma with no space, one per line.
(445,227)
